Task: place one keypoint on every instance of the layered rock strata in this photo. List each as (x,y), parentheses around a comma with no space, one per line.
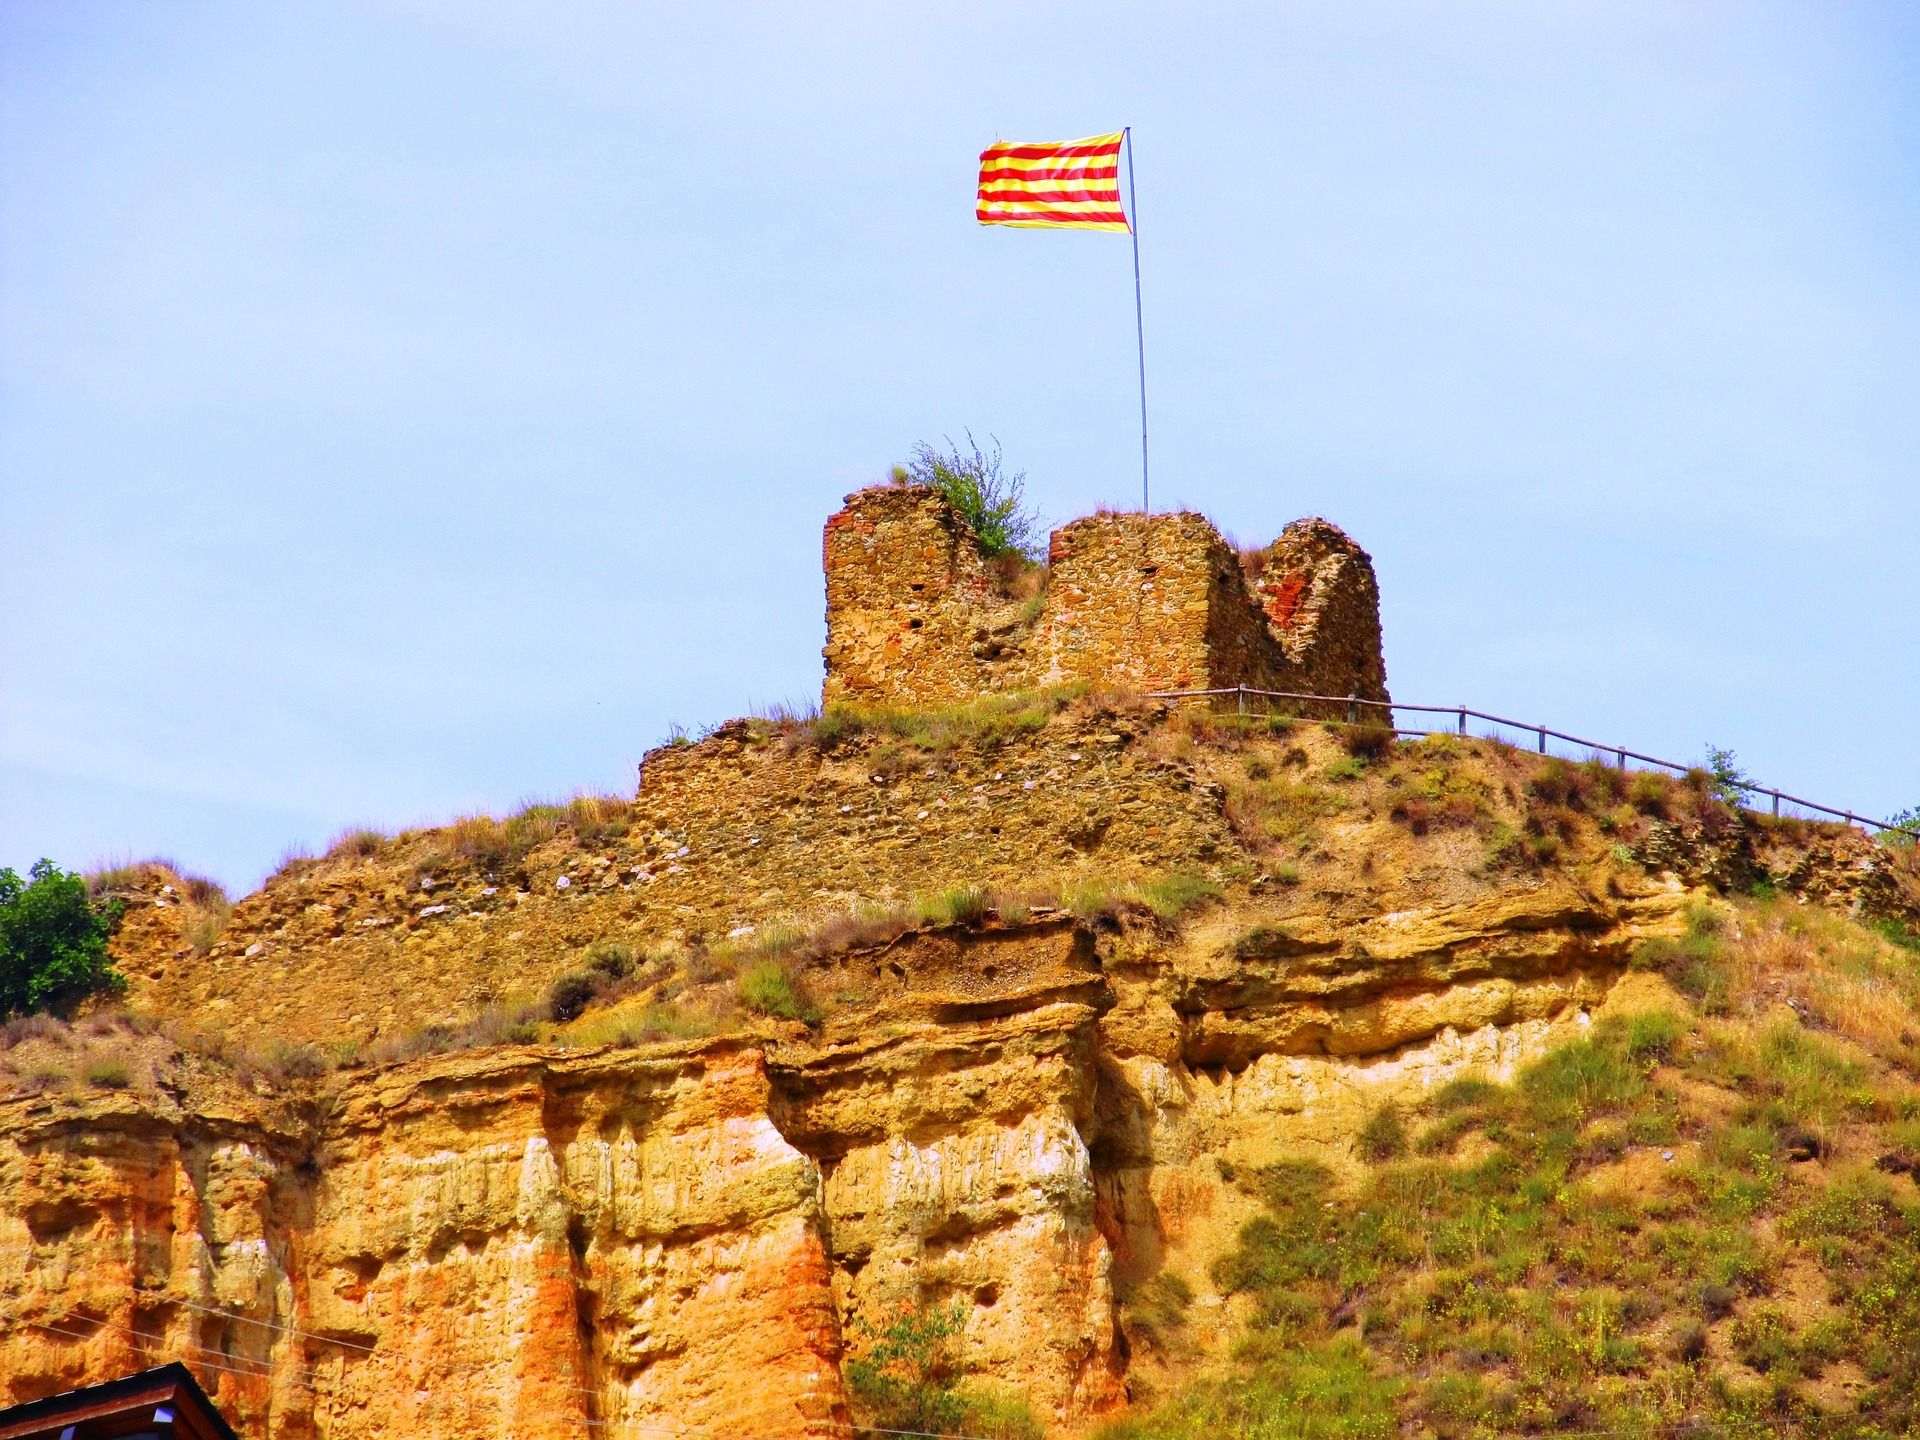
(1027,1121)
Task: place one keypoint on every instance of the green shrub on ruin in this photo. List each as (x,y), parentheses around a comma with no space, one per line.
(977,484)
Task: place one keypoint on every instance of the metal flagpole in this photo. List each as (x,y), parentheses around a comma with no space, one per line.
(1139,322)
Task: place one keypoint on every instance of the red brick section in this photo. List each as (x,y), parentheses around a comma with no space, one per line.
(1282,599)
(1147,602)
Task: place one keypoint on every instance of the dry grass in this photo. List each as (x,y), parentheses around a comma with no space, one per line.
(126,877)
(204,900)
(497,845)
(987,722)
(107,1050)
(1852,980)
(207,920)
(360,843)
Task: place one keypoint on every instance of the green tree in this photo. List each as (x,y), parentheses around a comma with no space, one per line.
(1724,766)
(975,483)
(906,1377)
(53,941)
(1907,821)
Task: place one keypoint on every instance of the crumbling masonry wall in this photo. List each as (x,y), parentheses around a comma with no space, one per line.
(1150,602)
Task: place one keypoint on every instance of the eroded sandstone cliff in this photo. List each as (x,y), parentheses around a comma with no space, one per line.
(1031,1111)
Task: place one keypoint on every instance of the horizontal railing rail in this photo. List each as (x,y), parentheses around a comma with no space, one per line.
(1465,713)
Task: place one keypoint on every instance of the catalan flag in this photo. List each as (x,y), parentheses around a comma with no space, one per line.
(1072,184)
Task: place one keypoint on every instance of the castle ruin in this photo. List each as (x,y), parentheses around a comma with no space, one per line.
(917,616)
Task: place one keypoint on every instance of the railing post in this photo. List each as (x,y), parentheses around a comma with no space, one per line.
(1543,739)
(1776,804)
(1621,756)
(1240,698)
(1463,719)
(1353,709)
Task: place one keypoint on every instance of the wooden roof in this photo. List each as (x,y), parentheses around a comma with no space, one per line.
(165,1402)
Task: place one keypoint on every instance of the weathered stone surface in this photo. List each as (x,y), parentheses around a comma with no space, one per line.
(1027,1120)
(739,829)
(1149,602)
(510,1244)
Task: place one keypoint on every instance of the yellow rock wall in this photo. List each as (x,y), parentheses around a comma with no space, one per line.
(1026,1120)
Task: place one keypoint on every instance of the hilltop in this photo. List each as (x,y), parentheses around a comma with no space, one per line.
(1034,1058)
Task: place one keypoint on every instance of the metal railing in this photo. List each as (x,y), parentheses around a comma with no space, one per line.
(1463,713)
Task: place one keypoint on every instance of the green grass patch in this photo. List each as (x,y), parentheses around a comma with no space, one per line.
(989,721)
(766,987)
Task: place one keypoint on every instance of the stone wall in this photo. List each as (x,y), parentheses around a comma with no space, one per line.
(1321,602)
(1138,600)
(1147,602)
(911,604)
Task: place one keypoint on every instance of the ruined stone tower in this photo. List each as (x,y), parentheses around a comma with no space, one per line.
(916,616)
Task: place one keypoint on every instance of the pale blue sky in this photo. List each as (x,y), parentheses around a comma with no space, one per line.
(412,408)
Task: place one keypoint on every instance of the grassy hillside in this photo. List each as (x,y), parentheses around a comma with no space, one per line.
(1700,1219)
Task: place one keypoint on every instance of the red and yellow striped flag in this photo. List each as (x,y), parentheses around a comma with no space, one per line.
(1070,183)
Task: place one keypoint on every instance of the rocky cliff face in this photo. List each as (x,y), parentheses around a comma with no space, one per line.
(1028,1114)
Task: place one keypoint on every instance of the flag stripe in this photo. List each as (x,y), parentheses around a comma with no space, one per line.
(1069,183)
(989,215)
(1095,172)
(1046,207)
(1092,145)
(1117,226)
(1053,182)
(1103,197)
(1096,163)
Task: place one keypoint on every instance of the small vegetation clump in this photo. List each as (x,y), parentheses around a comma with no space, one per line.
(987,722)
(906,1378)
(569,996)
(1905,831)
(976,483)
(766,987)
(1155,1315)
(497,846)
(961,905)
(1367,741)
(107,1074)
(360,843)
(1384,1136)
(208,911)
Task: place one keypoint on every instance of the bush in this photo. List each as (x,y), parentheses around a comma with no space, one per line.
(107,1074)
(357,844)
(53,941)
(296,1060)
(906,1377)
(1908,820)
(976,485)
(1650,793)
(1367,741)
(1725,777)
(612,958)
(1384,1136)
(961,905)
(768,988)
(1159,1309)
(570,995)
